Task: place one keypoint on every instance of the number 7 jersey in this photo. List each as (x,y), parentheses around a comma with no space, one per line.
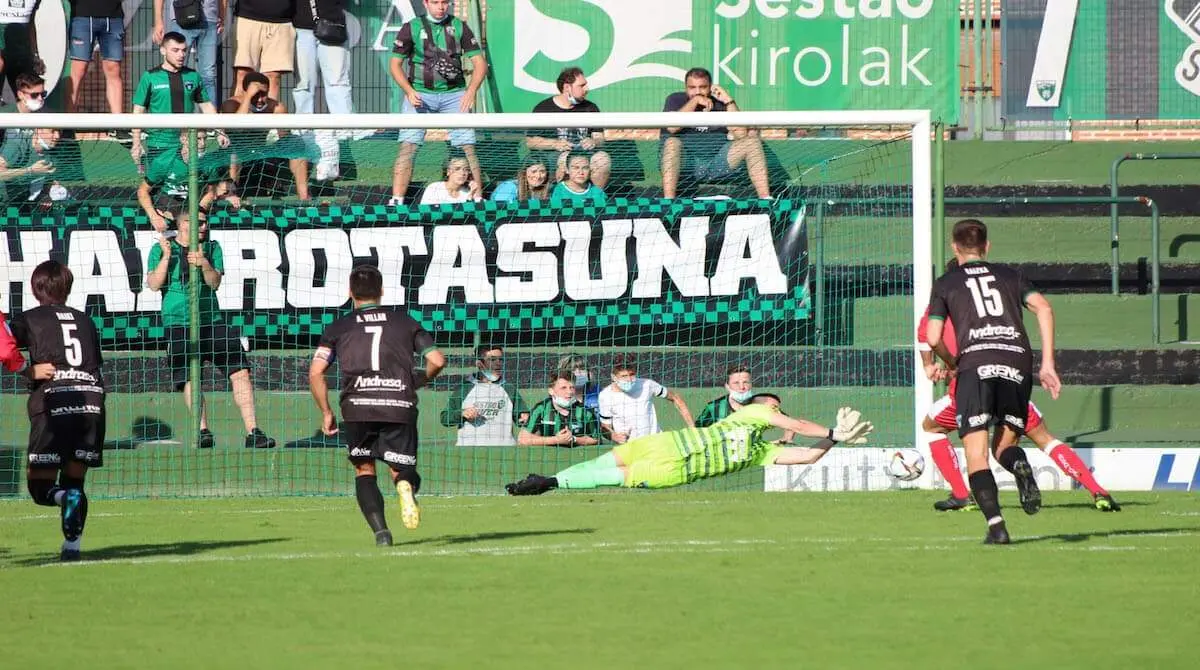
(986,303)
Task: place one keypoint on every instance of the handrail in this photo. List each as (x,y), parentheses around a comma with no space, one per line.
(1155,309)
(1113,190)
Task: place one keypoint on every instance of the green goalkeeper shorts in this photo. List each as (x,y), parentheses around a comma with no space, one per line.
(652,461)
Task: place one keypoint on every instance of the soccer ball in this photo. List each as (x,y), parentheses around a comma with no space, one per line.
(906,464)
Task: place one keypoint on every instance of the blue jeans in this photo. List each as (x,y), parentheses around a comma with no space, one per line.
(86,31)
(436,103)
(329,65)
(205,41)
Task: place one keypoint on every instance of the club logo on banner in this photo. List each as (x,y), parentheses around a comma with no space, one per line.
(645,264)
(1185,14)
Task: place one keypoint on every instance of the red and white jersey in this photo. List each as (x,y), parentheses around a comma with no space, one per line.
(948,337)
(10,355)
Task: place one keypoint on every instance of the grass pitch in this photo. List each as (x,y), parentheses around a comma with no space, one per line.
(606,580)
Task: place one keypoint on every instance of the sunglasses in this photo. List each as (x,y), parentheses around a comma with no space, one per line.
(35,94)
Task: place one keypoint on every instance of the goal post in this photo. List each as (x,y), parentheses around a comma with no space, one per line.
(711,279)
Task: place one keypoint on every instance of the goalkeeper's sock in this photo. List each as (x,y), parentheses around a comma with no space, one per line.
(589,478)
(370,501)
(946,460)
(1066,459)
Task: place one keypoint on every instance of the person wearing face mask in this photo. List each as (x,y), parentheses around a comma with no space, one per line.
(559,142)
(485,407)
(586,390)
(263,163)
(25,163)
(627,405)
(31,92)
(560,420)
(740,390)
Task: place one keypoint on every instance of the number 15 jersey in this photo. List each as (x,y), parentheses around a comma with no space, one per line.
(986,303)
(376,349)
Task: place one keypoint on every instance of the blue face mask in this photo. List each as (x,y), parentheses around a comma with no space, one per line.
(581,378)
(625,385)
(491,376)
(741,396)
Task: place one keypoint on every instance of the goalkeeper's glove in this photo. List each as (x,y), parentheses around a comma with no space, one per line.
(850,428)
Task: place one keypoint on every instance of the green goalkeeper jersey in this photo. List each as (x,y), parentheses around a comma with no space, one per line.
(731,444)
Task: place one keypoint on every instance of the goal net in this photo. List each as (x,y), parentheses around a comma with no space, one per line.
(681,245)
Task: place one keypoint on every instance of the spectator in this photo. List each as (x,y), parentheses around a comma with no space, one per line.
(427,66)
(168,175)
(454,189)
(713,153)
(262,169)
(578,188)
(627,405)
(265,41)
(18,41)
(572,97)
(202,35)
(560,420)
(30,91)
(485,407)
(169,265)
(170,88)
(531,184)
(586,390)
(24,163)
(330,63)
(102,22)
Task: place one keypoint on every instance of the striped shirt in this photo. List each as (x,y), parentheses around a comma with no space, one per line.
(546,420)
(714,412)
(729,445)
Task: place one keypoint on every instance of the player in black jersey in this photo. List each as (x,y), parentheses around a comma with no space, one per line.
(377,350)
(994,365)
(66,411)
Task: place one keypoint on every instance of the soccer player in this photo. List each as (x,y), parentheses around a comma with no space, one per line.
(561,420)
(170,264)
(377,350)
(679,457)
(66,406)
(627,405)
(994,365)
(941,420)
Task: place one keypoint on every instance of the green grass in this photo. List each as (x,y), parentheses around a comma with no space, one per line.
(606,580)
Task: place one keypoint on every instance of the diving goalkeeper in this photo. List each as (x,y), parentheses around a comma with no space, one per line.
(678,457)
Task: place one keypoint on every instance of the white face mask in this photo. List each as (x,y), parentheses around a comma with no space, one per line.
(572,99)
(34,104)
(491,376)
(741,396)
(625,385)
(564,403)
(43,145)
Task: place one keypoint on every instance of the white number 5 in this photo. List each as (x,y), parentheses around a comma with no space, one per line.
(73,349)
(987,299)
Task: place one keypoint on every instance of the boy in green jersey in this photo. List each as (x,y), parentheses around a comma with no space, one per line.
(678,457)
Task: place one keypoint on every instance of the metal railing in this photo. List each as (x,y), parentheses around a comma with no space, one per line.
(823,207)
(1113,189)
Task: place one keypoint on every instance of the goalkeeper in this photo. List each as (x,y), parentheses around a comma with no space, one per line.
(678,457)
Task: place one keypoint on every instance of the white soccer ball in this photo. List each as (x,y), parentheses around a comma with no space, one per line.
(906,464)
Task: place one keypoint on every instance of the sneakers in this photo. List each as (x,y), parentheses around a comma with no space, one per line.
(1105,503)
(122,136)
(206,439)
(69,555)
(395,201)
(72,514)
(532,485)
(383,538)
(952,504)
(997,534)
(410,512)
(256,439)
(1031,495)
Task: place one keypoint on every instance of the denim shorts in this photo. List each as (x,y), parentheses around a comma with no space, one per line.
(86,31)
(436,103)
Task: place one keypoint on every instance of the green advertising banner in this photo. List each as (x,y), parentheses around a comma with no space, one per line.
(770,54)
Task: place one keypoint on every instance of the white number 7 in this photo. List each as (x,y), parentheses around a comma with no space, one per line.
(376,335)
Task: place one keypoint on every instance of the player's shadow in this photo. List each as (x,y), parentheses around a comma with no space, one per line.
(499,535)
(1084,537)
(1088,505)
(133,551)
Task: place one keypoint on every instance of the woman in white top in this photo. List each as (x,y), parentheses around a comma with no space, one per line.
(456,188)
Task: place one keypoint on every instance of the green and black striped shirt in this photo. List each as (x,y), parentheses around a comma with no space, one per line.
(714,412)
(546,421)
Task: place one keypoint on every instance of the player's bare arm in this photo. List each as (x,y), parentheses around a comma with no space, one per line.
(804,455)
(933,336)
(682,407)
(1047,374)
(319,388)
(435,362)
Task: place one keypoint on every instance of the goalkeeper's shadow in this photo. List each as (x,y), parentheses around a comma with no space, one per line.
(451,540)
